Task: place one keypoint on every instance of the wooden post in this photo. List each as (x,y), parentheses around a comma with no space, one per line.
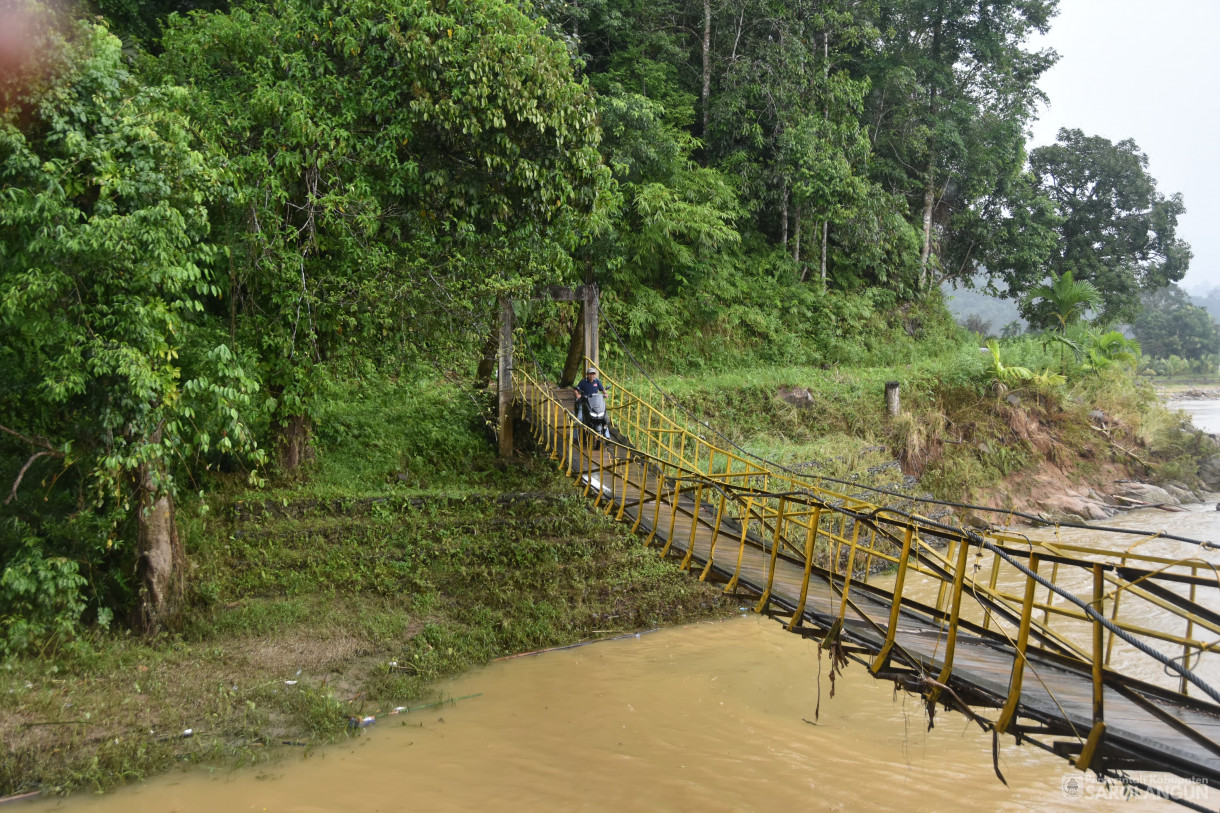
(590,317)
(504,378)
(892,407)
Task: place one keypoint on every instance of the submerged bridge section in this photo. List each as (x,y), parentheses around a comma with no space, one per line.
(1105,656)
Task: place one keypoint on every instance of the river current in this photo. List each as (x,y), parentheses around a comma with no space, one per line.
(728,716)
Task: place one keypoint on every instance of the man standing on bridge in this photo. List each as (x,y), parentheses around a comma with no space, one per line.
(588,385)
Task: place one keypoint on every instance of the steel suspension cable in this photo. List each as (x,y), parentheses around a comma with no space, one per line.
(876,489)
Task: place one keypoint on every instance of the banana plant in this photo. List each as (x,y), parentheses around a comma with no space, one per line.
(1004,374)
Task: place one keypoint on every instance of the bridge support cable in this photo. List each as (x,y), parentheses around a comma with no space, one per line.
(1032,518)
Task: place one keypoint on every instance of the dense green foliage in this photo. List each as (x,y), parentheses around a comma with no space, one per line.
(1168,325)
(366,147)
(209,224)
(1062,302)
(104,243)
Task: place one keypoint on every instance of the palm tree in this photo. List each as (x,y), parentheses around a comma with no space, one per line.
(1113,348)
(1066,298)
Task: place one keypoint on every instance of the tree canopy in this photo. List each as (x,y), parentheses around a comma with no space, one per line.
(1115,229)
(104,253)
(365,144)
(1169,324)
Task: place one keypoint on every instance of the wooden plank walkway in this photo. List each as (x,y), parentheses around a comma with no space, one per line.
(1146,728)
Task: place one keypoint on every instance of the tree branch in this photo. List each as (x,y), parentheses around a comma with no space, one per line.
(49,451)
(35,441)
(12,494)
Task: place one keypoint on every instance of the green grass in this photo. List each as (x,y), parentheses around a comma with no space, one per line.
(962,437)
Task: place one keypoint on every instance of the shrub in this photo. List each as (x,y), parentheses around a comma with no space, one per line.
(41,601)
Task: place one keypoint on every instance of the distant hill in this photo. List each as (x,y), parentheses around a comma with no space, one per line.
(993,312)
(1209,302)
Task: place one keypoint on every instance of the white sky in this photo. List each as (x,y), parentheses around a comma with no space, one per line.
(1147,70)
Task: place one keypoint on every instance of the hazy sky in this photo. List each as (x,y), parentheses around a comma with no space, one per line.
(1147,70)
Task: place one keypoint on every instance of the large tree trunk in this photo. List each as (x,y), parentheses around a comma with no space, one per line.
(292,446)
(576,352)
(825,116)
(707,65)
(825,235)
(161,560)
(783,215)
(487,361)
(929,190)
(929,202)
(796,240)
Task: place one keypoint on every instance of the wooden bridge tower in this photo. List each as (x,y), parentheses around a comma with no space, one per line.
(585,342)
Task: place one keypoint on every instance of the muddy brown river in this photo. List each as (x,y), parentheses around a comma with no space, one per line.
(708,717)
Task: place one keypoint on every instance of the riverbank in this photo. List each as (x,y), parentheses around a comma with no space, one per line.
(690,718)
(1082,453)
(310,611)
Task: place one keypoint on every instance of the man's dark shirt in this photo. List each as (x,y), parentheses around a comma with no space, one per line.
(588,387)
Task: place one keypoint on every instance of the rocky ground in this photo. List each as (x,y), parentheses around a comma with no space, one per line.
(1190,394)
(1089,504)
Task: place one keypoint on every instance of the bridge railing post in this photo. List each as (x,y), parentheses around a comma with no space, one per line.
(811,536)
(883,657)
(959,579)
(849,569)
(1089,752)
(675,495)
(776,538)
(711,551)
(741,547)
(568,440)
(1184,685)
(1009,712)
(1118,593)
(991,584)
(639,504)
(694,528)
(586,456)
(504,378)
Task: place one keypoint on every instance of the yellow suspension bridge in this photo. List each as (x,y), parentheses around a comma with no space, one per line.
(1041,640)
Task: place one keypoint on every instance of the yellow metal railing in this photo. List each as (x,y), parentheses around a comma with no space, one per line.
(987,585)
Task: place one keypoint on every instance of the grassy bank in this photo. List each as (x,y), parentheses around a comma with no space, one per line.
(405,555)
(963,435)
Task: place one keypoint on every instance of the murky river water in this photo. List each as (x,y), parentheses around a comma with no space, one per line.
(1204,413)
(709,717)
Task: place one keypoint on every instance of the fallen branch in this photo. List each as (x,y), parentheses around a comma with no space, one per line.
(20,797)
(1132,455)
(1142,504)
